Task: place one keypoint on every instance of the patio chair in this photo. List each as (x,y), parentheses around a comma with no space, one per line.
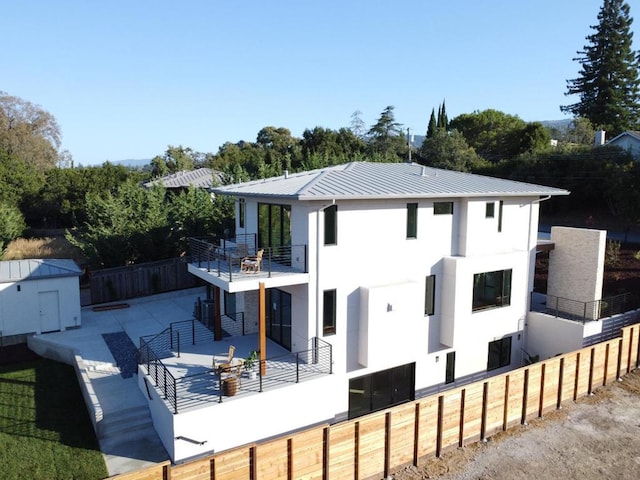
(252,263)
(227,363)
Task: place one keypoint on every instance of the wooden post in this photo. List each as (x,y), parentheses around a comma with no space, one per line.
(262,330)
(217,322)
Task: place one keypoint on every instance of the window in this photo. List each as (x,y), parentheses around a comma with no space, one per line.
(412,220)
(380,390)
(329,312)
(500,216)
(490,210)
(491,289)
(229,303)
(499,353)
(241,208)
(430,295)
(450,373)
(331,225)
(443,208)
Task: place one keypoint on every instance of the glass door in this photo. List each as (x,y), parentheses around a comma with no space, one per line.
(278,310)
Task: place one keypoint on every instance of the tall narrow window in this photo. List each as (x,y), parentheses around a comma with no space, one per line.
(229,304)
(412,220)
(331,225)
(241,208)
(500,216)
(499,353)
(329,312)
(430,295)
(450,374)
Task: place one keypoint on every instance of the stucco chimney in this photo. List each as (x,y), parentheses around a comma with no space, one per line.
(600,137)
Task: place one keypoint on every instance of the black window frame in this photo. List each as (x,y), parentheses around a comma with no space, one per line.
(412,220)
(492,289)
(499,353)
(490,210)
(430,295)
(443,208)
(329,310)
(331,225)
(241,212)
(450,368)
(500,207)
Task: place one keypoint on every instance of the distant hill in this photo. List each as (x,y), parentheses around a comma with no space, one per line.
(140,163)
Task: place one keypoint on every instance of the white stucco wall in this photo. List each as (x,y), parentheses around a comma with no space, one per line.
(239,421)
(20,310)
(548,336)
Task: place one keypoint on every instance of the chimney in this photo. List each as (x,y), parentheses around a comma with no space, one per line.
(600,138)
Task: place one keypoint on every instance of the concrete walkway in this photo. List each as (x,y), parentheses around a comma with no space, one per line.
(116,405)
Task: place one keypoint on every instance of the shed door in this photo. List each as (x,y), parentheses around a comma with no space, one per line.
(49,311)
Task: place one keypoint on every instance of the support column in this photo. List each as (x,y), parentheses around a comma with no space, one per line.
(217,322)
(262,328)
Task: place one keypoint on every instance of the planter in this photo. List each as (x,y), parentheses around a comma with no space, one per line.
(252,374)
(230,386)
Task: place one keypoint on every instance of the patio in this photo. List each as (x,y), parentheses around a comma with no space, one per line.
(179,364)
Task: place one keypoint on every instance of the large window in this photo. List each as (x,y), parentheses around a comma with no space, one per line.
(491,289)
(380,390)
(499,353)
(329,312)
(278,313)
(331,225)
(412,220)
(430,295)
(274,225)
(443,208)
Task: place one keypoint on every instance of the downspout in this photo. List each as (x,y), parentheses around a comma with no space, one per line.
(524,329)
(333,202)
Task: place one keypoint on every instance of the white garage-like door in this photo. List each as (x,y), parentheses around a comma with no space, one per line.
(49,311)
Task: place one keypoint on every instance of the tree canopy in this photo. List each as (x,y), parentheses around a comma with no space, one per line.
(608,84)
(28,132)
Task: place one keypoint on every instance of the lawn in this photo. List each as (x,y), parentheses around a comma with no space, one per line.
(45,430)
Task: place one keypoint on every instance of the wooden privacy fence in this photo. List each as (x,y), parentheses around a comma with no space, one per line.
(375,445)
(119,283)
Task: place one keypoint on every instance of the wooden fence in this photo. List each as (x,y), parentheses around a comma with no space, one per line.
(113,284)
(375,445)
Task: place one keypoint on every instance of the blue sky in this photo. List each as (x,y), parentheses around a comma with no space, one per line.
(125,79)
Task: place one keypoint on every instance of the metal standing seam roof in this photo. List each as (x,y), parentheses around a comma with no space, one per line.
(200,178)
(368,180)
(37,269)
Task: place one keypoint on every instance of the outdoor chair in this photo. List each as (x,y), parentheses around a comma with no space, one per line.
(252,263)
(227,363)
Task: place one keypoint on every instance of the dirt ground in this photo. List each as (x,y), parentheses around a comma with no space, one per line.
(597,437)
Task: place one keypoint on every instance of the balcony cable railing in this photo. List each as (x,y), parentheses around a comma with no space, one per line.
(581,311)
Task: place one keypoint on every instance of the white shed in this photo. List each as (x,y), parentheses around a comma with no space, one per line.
(38,296)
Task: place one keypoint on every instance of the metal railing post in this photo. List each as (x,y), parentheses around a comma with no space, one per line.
(178,334)
(297,367)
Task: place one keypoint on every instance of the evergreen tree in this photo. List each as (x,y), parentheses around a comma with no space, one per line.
(431,129)
(608,83)
(443,121)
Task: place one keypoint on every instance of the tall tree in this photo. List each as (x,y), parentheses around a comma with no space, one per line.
(358,126)
(608,83)
(443,121)
(28,132)
(433,124)
(386,137)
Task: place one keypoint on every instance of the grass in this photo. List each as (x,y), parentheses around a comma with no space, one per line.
(45,430)
(47,247)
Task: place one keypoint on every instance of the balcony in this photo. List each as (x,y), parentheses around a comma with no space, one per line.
(581,311)
(220,264)
(178,364)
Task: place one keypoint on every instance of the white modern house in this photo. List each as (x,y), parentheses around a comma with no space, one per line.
(382,282)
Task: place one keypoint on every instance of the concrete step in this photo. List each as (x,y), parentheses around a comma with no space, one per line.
(125,421)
